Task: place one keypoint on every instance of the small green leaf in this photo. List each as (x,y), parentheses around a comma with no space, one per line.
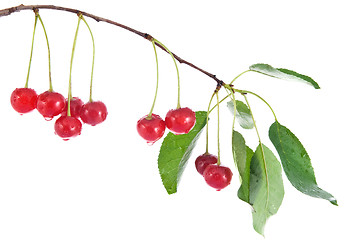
(282,73)
(243,115)
(296,162)
(175,151)
(242,156)
(266,187)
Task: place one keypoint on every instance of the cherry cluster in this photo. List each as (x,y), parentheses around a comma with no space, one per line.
(50,104)
(179,121)
(215,175)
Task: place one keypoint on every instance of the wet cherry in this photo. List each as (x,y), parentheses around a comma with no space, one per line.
(23,100)
(217,176)
(68,127)
(151,129)
(93,113)
(181,120)
(204,160)
(50,104)
(75,107)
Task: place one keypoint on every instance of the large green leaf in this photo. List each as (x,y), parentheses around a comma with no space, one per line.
(242,156)
(175,151)
(296,162)
(266,186)
(282,73)
(243,114)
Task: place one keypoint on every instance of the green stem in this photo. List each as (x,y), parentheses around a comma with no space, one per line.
(219,154)
(239,76)
(48,51)
(32,49)
(262,150)
(245,91)
(72,58)
(149,116)
(93,54)
(219,103)
(207,118)
(178,77)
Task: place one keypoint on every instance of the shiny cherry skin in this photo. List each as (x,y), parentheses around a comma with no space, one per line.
(75,107)
(68,127)
(181,120)
(50,104)
(151,129)
(23,100)
(217,176)
(93,113)
(204,160)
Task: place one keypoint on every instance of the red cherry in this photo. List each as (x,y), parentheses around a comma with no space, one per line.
(68,127)
(93,113)
(50,104)
(75,107)
(204,160)
(180,120)
(151,129)
(23,100)
(217,176)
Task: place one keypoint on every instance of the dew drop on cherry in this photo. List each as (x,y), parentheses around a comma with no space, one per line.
(48,118)
(150,143)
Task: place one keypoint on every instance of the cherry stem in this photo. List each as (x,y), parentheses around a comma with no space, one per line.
(149,116)
(207,118)
(32,49)
(219,155)
(178,77)
(72,58)
(48,48)
(93,54)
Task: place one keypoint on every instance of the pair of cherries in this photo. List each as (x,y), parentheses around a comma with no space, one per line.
(215,175)
(179,121)
(50,104)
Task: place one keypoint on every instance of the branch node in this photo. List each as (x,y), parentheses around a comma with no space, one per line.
(148,37)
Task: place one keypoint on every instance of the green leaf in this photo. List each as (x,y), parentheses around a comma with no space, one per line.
(296,162)
(175,151)
(266,186)
(243,115)
(282,73)
(242,156)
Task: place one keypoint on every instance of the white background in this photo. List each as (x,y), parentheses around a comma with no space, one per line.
(105,183)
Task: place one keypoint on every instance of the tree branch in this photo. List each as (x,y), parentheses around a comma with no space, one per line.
(8,11)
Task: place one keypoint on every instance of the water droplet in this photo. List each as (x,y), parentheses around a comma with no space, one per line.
(21,114)
(150,143)
(48,118)
(66,139)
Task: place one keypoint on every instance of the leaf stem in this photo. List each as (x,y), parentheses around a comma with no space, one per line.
(72,58)
(246,91)
(239,76)
(149,116)
(93,54)
(262,150)
(48,50)
(32,49)
(178,77)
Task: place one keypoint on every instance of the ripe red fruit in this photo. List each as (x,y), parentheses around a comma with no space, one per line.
(50,104)
(93,113)
(204,160)
(151,129)
(23,100)
(217,176)
(68,127)
(75,107)
(181,120)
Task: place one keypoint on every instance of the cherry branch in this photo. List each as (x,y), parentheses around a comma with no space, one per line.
(8,11)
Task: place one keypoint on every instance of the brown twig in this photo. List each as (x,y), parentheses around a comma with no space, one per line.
(8,11)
